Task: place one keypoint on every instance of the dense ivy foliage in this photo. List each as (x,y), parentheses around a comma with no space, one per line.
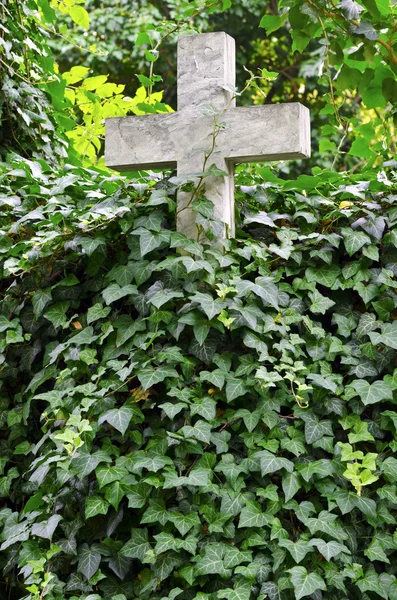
(218,422)
(219,425)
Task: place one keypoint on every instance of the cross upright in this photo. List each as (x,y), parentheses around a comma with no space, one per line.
(206,76)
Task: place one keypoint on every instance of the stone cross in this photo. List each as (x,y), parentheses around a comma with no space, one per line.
(206,78)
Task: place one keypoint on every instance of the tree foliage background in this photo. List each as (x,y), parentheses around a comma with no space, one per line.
(217,424)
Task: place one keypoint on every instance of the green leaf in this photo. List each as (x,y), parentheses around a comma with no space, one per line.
(316,429)
(114,493)
(137,495)
(272,22)
(84,464)
(389,467)
(164,542)
(354,240)
(271,464)
(200,431)
(241,591)
(149,376)
(376,552)
(264,287)
(372,393)
(305,583)
(81,17)
(119,418)
(253,516)
(216,377)
(114,292)
(40,300)
(290,484)
(171,410)
(329,549)
(108,473)
(156,512)
(138,545)
(351,8)
(212,307)
(184,522)
(388,335)
(46,529)
(121,566)
(149,241)
(235,388)
(95,505)
(97,312)
(298,550)
(56,314)
(205,407)
(326,275)
(89,561)
(320,304)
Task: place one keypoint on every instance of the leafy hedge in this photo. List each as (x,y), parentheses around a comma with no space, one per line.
(217,424)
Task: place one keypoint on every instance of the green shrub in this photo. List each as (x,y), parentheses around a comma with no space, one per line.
(217,424)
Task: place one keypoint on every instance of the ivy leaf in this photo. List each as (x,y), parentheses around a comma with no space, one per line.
(376,552)
(298,550)
(205,407)
(212,307)
(290,484)
(325,275)
(114,292)
(150,377)
(253,516)
(95,505)
(372,393)
(305,583)
(137,495)
(184,522)
(320,304)
(120,565)
(326,383)
(354,240)
(272,22)
(56,314)
(138,545)
(201,431)
(205,351)
(164,542)
(235,388)
(264,287)
(46,529)
(40,300)
(316,429)
(389,467)
(89,561)
(171,410)
(351,8)
(329,549)
(86,463)
(388,335)
(156,512)
(97,312)
(241,591)
(108,474)
(271,464)
(216,377)
(119,418)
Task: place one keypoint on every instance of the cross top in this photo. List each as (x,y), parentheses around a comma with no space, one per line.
(206,76)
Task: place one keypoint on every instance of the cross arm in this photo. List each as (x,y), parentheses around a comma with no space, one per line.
(146,142)
(265,133)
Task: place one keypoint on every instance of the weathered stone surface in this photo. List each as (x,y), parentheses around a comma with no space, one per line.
(181,139)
